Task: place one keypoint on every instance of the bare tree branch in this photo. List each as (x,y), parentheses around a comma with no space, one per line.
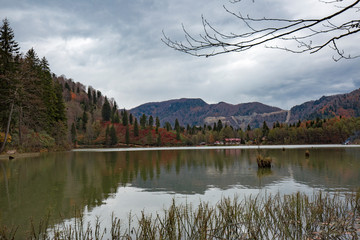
(325,31)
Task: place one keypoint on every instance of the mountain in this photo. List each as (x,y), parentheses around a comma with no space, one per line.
(195,111)
(345,105)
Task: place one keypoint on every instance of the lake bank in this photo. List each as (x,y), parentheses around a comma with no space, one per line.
(215,147)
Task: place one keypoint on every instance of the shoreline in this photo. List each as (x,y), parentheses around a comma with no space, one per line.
(5,156)
(129,149)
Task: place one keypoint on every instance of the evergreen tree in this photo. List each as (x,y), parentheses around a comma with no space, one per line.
(151,122)
(60,108)
(157,124)
(106,110)
(215,127)
(143,121)
(177,125)
(113,136)
(89,95)
(125,119)
(178,133)
(167,126)
(265,129)
(116,117)
(84,120)
(219,125)
(9,48)
(136,128)
(94,97)
(131,119)
(114,109)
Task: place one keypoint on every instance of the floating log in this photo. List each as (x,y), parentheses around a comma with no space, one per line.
(307,153)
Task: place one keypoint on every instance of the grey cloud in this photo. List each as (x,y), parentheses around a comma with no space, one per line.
(115,47)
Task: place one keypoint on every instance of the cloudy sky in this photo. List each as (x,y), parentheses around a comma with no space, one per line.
(115,46)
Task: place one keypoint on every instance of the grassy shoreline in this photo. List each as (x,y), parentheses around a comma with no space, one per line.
(297,216)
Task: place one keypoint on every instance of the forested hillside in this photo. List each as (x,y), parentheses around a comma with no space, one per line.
(32,110)
(345,105)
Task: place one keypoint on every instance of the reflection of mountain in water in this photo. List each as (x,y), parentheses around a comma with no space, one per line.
(58,182)
(326,168)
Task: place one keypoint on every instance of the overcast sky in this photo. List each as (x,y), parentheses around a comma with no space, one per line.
(115,46)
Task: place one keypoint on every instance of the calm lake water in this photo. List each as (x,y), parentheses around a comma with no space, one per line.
(102,182)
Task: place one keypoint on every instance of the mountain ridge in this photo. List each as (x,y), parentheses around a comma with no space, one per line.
(195,111)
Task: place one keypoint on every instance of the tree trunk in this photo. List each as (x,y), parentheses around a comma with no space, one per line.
(8,127)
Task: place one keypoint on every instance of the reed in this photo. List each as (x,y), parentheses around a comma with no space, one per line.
(298,216)
(263,162)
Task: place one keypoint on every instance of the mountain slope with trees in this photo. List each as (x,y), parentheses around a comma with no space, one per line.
(345,105)
(198,112)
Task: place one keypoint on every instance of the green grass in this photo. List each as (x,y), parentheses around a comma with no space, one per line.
(297,216)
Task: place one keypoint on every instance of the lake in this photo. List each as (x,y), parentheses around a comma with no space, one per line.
(100,182)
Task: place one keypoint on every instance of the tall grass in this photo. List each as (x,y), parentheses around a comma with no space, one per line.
(297,216)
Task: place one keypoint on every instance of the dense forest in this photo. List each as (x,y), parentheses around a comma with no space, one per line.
(41,111)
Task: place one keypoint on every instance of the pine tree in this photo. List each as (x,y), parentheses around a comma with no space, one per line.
(167,126)
(89,95)
(106,110)
(113,136)
(151,122)
(136,128)
(116,117)
(177,125)
(143,121)
(125,119)
(84,120)
(94,97)
(219,125)
(157,124)
(265,129)
(178,133)
(114,109)
(9,48)
(131,119)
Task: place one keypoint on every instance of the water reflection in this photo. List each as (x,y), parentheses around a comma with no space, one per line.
(60,181)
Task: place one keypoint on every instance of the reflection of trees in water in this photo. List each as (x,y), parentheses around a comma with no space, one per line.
(61,181)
